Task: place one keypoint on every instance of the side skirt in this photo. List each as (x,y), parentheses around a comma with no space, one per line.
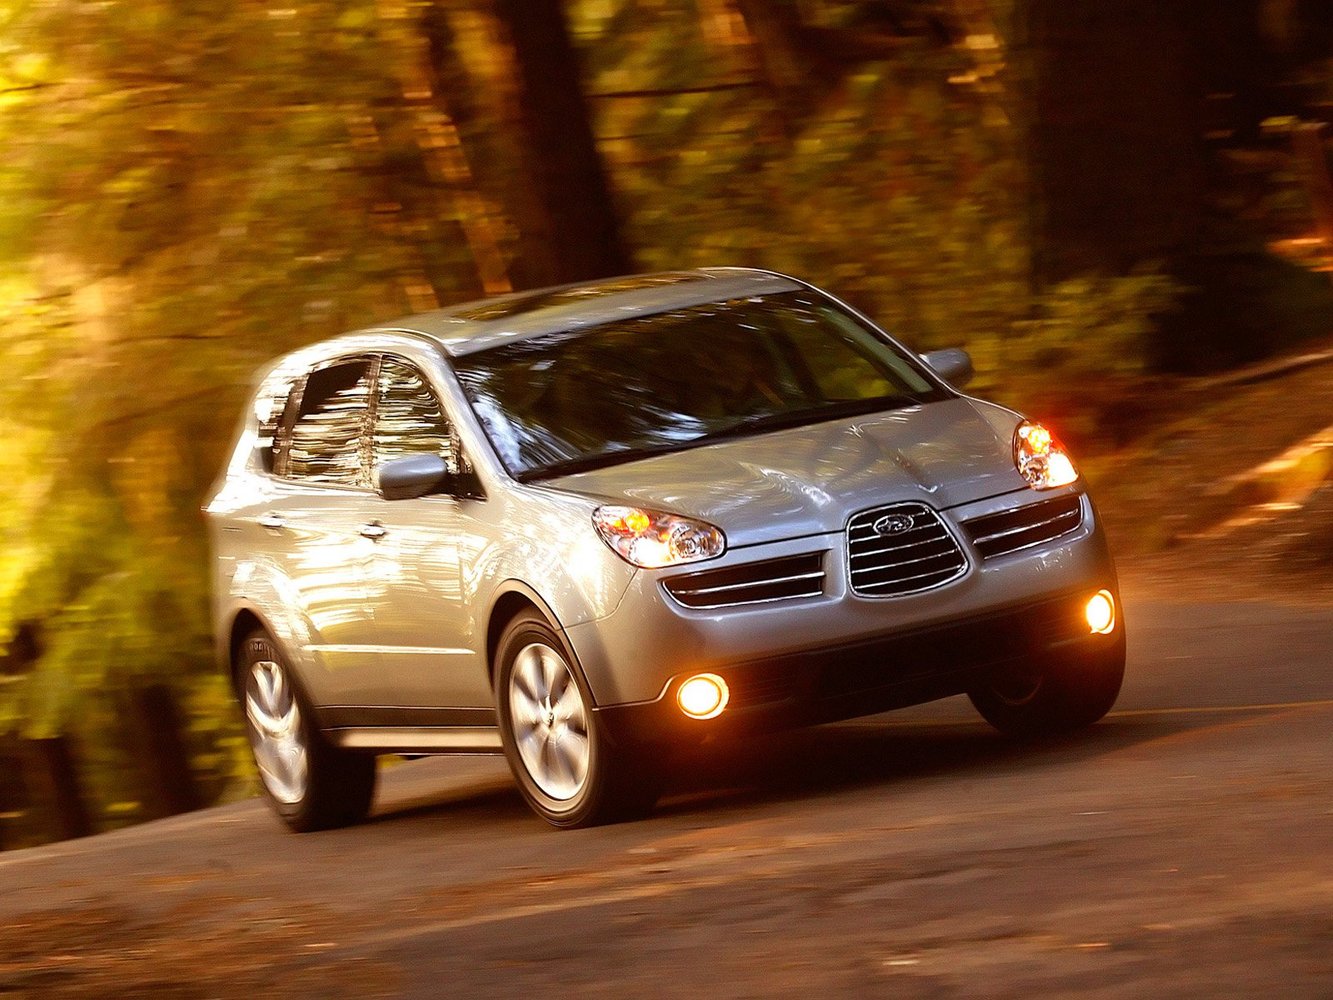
(418,739)
(395,729)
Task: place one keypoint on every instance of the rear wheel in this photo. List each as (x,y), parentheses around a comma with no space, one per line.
(310,783)
(568,768)
(1043,698)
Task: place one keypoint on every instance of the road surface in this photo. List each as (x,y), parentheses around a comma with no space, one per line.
(1183,847)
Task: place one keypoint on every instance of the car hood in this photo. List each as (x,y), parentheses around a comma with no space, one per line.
(809,480)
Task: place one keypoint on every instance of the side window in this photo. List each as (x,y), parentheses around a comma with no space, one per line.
(270,404)
(409,419)
(324,443)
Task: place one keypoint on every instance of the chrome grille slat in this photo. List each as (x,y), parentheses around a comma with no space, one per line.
(881,544)
(867,534)
(871,574)
(868,528)
(1071,515)
(782,579)
(907,579)
(904,562)
(749,583)
(1023,527)
(907,584)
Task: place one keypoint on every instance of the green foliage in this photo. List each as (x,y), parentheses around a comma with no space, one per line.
(901,190)
(1081,359)
(1092,326)
(186,190)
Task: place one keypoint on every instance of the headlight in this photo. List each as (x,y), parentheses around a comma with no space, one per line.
(651,539)
(1041,459)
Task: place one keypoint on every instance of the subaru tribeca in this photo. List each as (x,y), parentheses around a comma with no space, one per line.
(585,525)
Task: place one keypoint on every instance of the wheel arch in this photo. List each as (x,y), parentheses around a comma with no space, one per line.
(245,621)
(513,598)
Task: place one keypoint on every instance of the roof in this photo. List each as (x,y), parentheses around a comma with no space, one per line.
(475,326)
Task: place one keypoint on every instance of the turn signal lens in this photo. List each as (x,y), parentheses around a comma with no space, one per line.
(703,696)
(1100,612)
(651,540)
(1041,459)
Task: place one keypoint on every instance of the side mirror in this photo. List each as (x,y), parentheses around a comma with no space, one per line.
(414,476)
(953,364)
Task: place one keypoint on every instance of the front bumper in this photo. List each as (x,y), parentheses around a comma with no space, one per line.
(907,667)
(635,654)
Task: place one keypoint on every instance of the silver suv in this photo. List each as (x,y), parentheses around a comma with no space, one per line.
(586,525)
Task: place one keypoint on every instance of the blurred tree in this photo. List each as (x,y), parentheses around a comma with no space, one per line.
(802,60)
(1123,114)
(581,223)
(186,191)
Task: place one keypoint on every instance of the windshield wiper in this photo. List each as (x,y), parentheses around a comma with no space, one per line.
(761,422)
(586,463)
(745,426)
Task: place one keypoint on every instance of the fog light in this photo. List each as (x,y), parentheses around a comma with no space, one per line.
(1100,612)
(703,696)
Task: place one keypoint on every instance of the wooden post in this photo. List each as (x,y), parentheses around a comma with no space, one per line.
(1307,140)
(54,781)
(11,790)
(165,755)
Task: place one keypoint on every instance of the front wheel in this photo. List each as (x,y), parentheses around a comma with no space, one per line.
(569,770)
(310,783)
(1052,696)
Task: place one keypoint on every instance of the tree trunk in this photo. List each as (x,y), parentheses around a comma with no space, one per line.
(471,97)
(1312,164)
(1117,156)
(54,782)
(582,225)
(1121,175)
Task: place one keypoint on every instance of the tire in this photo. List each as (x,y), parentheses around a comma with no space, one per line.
(310,783)
(1055,696)
(568,769)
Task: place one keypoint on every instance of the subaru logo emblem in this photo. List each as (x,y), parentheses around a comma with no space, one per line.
(893,524)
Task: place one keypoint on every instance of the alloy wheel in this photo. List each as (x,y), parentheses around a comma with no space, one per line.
(549,721)
(276,732)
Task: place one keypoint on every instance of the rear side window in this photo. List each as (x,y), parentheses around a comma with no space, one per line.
(271,402)
(325,440)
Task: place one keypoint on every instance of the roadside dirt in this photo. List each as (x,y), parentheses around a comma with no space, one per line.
(1197,466)
(110,951)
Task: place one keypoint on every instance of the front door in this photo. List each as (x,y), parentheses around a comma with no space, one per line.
(428,643)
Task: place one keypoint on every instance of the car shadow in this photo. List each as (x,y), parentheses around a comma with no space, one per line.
(831,759)
(466,801)
(799,764)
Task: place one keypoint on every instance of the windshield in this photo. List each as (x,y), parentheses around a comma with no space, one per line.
(584,398)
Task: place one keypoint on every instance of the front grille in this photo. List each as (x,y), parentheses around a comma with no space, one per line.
(1020,527)
(751,583)
(910,551)
(952,653)
(972,644)
(756,686)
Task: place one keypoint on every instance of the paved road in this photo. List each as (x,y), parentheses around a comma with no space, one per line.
(1184,847)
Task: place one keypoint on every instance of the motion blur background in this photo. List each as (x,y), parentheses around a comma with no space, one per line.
(1099,199)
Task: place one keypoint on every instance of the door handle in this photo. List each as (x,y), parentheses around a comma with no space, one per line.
(271,520)
(374,531)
